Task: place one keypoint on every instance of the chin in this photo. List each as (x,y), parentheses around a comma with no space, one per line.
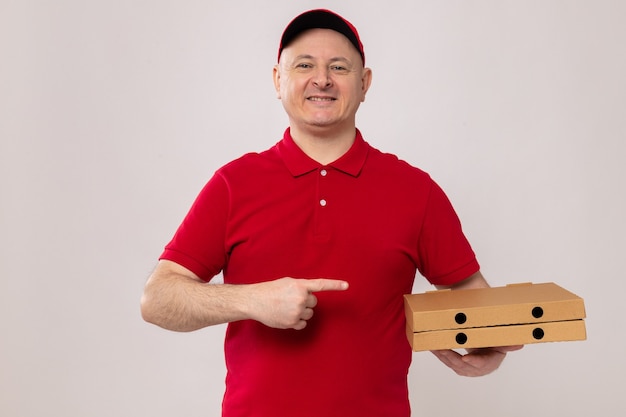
(324,121)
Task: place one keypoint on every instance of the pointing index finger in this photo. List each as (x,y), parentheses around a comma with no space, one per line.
(323,284)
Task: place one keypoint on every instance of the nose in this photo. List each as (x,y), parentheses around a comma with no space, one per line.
(322,78)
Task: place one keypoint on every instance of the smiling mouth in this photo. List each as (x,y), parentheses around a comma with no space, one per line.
(321,99)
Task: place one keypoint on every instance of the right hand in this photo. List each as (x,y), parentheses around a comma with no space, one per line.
(287,303)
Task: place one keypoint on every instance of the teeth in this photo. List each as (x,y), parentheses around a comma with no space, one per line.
(320,99)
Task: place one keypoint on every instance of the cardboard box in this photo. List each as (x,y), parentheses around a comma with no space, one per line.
(499,316)
(520,334)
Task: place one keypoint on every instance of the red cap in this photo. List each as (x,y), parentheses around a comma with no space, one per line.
(321,19)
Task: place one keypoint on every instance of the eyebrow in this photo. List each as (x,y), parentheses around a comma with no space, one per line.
(334,59)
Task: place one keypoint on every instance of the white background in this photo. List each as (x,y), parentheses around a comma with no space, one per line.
(113,114)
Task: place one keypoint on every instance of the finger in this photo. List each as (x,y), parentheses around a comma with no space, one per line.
(311,301)
(300,325)
(484,361)
(508,348)
(323,284)
(456,362)
(450,358)
(307,313)
(476,360)
(477,357)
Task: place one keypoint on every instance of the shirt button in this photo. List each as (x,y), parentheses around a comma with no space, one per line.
(322,202)
(323,172)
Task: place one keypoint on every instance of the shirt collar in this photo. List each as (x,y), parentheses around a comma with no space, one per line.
(300,163)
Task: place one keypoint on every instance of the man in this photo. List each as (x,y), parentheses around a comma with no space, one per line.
(318,238)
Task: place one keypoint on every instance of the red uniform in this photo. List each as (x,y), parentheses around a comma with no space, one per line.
(367,218)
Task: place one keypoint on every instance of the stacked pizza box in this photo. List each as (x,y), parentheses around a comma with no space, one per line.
(516,314)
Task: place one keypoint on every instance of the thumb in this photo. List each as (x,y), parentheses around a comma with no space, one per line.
(323,284)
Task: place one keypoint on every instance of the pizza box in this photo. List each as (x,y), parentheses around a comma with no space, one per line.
(481,307)
(517,334)
(516,314)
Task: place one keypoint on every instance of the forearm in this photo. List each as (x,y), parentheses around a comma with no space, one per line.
(180,302)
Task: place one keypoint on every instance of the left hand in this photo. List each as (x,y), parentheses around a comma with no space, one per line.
(477,362)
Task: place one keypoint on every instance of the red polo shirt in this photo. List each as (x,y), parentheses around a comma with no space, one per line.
(367,218)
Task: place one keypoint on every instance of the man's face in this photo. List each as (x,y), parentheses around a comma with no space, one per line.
(321,81)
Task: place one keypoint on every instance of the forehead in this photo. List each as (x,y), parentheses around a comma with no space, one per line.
(321,42)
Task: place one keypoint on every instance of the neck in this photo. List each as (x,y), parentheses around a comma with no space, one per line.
(324,146)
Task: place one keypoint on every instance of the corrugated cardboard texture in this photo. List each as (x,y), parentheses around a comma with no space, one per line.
(522,334)
(513,304)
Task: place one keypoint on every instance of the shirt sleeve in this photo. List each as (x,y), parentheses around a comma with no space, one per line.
(198,244)
(446,256)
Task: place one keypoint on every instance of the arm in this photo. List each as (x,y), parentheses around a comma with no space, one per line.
(477,362)
(476,280)
(177,299)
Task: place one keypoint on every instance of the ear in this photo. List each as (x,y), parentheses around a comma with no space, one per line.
(276,78)
(366,81)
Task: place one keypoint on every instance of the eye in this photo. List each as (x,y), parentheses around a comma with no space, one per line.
(338,68)
(304,65)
